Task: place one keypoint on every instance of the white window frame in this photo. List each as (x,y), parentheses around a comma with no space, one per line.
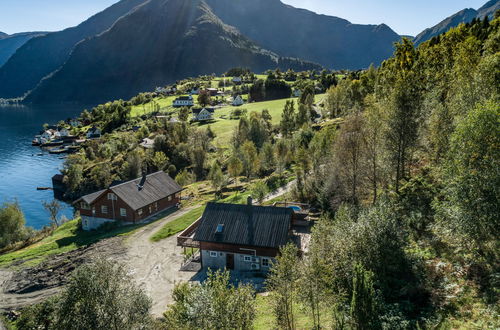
(104,209)
(170,198)
(85,206)
(213,254)
(266,262)
(112,197)
(247,258)
(139,211)
(123,212)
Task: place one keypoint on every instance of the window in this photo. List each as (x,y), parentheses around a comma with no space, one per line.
(123,212)
(169,198)
(221,254)
(220,228)
(156,206)
(104,209)
(265,262)
(213,254)
(247,258)
(139,212)
(112,197)
(85,206)
(149,209)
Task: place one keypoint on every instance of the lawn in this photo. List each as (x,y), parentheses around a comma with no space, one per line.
(66,238)
(178,225)
(164,102)
(223,127)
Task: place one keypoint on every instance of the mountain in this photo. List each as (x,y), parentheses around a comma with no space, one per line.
(42,55)
(158,42)
(9,44)
(463,16)
(330,41)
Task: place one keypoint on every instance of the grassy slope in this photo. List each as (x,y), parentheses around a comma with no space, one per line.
(64,239)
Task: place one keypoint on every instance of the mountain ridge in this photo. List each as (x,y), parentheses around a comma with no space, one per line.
(119,62)
(463,16)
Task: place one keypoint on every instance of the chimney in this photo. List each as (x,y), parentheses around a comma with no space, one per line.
(249,201)
(143,181)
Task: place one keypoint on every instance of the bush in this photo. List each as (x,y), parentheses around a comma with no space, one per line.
(12,224)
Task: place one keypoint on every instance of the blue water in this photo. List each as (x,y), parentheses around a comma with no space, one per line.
(21,170)
(295,208)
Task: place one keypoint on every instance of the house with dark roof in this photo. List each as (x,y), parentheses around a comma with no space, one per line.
(183,101)
(242,237)
(203,114)
(130,202)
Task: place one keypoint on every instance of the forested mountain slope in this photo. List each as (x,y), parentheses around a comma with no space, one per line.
(9,44)
(330,41)
(42,55)
(159,42)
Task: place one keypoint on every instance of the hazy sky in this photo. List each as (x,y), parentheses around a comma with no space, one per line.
(404,16)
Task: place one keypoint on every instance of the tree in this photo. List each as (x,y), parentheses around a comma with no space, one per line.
(282,283)
(160,161)
(217,178)
(12,224)
(198,158)
(184,114)
(287,123)
(259,191)
(234,168)
(101,295)
(204,98)
(250,159)
(267,158)
(53,208)
(213,304)
(184,178)
(363,311)
(470,207)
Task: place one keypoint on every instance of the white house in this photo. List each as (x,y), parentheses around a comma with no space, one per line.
(203,114)
(297,93)
(237,101)
(47,135)
(64,132)
(194,91)
(93,133)
(147,143)
(237,80)
(183,101)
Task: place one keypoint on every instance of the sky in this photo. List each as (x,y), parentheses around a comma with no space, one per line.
(406,17)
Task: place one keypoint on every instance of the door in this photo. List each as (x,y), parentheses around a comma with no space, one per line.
(229,261)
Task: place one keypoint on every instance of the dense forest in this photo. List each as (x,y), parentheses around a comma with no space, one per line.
(404,167)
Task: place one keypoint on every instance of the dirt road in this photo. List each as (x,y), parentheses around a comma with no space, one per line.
(155,266)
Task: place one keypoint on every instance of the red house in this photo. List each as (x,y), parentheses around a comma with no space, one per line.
(131,202)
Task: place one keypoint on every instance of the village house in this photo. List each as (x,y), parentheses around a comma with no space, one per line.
(147,143)
(237,101)
(237,80)
(212,91)
(93,133)
(203,114)
(183,101)
(130,202)
(240,237)
(297,93)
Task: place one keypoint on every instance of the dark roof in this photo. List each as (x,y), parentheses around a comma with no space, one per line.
(183,98)
(198,110)
(142,191)
(262,226)
(90,198)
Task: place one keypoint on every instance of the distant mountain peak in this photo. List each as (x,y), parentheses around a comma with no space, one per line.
(463,16)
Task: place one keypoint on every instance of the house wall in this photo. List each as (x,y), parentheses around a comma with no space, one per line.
(132,216)
(239,252)
(91,223)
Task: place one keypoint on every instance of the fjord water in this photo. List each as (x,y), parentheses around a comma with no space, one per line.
(22,169)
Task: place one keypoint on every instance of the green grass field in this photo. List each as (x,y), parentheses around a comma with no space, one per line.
(66,238)
(178,225)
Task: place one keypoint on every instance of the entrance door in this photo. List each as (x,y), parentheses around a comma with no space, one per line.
(229,261)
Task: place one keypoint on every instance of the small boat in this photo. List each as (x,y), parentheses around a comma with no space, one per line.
(73,148)
(53,143)
(44,188)
(61,150)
